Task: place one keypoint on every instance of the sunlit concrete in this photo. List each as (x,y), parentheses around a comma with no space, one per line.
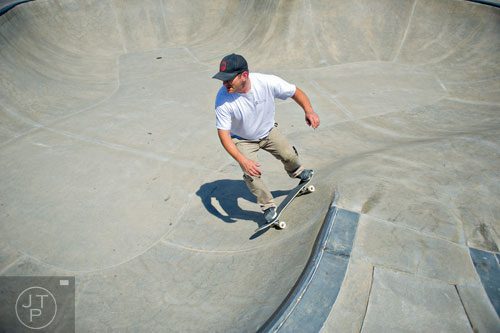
(112,170)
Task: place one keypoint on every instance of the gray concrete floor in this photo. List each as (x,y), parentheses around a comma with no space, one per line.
(112,171)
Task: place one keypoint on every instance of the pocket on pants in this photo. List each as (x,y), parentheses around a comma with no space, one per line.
(248,178)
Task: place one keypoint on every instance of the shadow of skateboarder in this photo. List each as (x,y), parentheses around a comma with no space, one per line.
(226,193)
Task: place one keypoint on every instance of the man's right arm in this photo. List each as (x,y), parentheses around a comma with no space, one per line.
(249,167)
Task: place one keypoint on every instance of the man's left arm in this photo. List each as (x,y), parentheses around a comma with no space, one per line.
(312,118)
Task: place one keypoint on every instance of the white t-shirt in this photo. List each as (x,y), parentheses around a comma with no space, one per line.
(251,115)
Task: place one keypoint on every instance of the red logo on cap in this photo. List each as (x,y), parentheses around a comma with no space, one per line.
(223,66)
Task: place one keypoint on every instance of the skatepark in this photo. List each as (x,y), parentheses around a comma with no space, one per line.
(112,171)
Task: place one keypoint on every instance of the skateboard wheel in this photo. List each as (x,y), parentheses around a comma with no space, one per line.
(282,225)
(311,188)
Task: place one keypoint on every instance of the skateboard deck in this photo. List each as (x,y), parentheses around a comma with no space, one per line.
(300,189)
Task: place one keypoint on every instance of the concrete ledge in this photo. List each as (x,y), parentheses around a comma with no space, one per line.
(493,3)
(309,303)
(487,267)
(6,5)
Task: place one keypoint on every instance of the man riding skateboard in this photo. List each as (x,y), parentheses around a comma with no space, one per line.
(245,109)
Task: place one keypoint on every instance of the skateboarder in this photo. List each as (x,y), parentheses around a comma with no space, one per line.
(244,109)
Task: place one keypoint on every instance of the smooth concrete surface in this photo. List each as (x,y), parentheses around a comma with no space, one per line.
(112,170)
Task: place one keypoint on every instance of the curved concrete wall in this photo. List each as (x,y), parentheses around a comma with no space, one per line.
(52,49)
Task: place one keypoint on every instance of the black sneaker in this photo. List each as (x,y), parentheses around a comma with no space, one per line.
(270,214)
(305,175)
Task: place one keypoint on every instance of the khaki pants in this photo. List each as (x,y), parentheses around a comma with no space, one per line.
(276,144)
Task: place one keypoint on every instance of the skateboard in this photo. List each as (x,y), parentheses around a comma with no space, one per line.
(301,189)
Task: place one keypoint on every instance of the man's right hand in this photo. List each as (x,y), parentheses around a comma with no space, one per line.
(250,167)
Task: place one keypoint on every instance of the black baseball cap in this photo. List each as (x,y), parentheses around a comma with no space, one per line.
(230,66)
